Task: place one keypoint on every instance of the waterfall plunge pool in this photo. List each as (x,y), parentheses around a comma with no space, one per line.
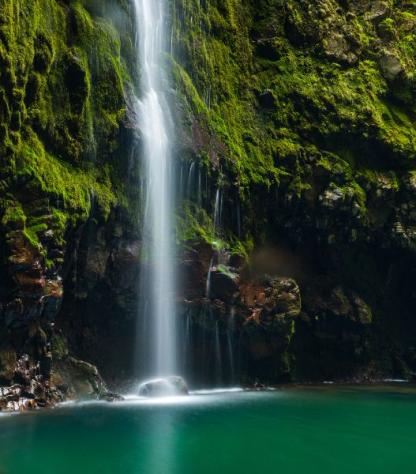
(325,430)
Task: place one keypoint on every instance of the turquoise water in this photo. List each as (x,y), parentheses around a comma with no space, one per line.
(313,430)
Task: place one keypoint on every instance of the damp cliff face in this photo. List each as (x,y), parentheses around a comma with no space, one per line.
(300,115)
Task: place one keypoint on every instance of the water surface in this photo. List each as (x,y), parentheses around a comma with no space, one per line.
(304,430)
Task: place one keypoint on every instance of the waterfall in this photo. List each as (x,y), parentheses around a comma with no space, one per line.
(152,113)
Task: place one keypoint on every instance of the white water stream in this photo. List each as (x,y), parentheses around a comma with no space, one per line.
(155,125)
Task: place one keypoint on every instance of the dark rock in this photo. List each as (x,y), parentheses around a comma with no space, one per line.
(223,283)
(378,10)
(390,65)
(267,99)
(82,378)
(194,266)
(111,397)
(337,47)
(283,298)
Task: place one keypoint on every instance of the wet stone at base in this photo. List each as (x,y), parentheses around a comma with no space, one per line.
(163,387)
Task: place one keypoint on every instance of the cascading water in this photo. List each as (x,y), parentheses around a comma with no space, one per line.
(158,354)
(152,112)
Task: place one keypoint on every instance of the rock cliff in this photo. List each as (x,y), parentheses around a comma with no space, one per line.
(298,144)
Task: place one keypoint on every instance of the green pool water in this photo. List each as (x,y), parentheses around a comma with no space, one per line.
(294,430)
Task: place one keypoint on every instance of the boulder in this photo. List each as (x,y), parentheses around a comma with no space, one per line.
(378,10)
(391,65)
(163,387)
(82,379)
(111,397)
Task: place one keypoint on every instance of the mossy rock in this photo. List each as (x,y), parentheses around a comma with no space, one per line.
(8,361)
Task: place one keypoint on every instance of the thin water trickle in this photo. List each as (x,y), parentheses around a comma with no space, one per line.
(218,361)
(208,283)
(187,343)
(217,210)
(230,340)
(217,225)
(152,112)
(190,180)
(199,187)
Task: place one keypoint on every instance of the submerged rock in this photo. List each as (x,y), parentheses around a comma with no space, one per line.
(173,385)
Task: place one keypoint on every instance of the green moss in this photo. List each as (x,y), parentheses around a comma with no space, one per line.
(311,96)
(387,28)
(56,178)
(62,104)
(13,215)
(283,100)
(195,225)
(219,89)
(32,234)
(225,270)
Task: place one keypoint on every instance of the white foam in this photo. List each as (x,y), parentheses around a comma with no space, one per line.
(396,380)
(214,391)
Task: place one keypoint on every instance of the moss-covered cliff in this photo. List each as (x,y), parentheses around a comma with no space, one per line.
(302,113)
(64,156)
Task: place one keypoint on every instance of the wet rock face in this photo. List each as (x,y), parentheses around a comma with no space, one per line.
(280,329)
(282,298)
(223,283)
(37,290)
(316,152)
(30,386)
(268,331)
(32,301)
(192,267)
(99,312)
(257,311)
(105,267)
